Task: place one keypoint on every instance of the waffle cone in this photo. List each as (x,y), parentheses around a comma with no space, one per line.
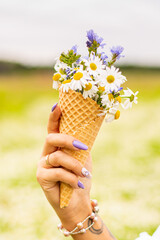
(79,119)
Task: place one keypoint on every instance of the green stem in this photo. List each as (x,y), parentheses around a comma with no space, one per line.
(125,97)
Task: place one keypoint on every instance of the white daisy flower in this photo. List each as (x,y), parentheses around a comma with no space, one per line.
(108,100)
(113,114)
(111,111)
(79,80)
(131,98)
(90,90)
(58,75)
(56,78)
(94,65)
(112,78)
(60,65)
(66,85)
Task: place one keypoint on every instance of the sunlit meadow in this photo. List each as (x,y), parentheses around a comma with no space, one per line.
(126,160)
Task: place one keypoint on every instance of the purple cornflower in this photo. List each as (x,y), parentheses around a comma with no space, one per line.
(67,71)
(99,40)
(117,50)
(92,36)
(88,44)
(74,48)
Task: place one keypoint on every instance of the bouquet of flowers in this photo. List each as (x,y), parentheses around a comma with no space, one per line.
(90,89)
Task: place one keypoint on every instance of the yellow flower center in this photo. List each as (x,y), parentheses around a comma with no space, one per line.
(88,86)
(110,78)
(117,115)
(131,98)
(119,99)
(56,77)
(101,89)
(110,96)
(77,76)
(93,66)
(76,68)
(66,81)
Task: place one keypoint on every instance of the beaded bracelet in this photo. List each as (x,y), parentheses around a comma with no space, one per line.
(79,228)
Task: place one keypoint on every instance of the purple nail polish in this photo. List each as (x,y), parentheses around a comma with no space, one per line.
(80,184)
(79,145)
(54,106)
(86,173)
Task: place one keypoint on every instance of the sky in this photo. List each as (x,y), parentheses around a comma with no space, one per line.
(35,32)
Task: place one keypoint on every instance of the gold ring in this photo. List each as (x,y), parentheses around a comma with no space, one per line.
(47,160)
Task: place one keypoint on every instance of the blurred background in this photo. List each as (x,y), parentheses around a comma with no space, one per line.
(126,155)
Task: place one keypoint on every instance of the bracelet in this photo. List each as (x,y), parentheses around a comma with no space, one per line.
(79,228)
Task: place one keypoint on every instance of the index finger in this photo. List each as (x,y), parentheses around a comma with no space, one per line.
(54,117)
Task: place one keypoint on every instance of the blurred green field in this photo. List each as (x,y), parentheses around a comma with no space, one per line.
(126,156)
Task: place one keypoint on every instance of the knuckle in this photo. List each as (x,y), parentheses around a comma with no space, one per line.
(57,174)
(56,155)
(49,137)
(70,139)
(76,165)
(74,181)
(39,175)
(66,139)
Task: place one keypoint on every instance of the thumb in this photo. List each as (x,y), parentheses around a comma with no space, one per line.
(54,117)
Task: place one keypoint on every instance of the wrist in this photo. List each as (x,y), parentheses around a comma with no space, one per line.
(70,217)
(80,227)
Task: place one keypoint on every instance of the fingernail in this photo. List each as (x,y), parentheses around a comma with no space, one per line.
(80,184)
(79,145)
(54,106)
(86,173)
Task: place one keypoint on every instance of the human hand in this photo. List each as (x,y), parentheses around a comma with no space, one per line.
(64,168)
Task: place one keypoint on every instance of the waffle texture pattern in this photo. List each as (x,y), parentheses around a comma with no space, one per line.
(80,120)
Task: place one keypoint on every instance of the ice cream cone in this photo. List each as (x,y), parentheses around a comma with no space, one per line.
(79,119)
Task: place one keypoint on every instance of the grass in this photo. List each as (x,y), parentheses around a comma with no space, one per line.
(126,172)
